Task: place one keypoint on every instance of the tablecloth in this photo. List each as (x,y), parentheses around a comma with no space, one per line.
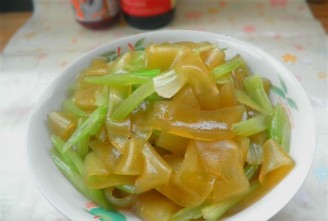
(51,40)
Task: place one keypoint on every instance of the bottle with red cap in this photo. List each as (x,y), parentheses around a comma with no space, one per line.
(96,14)
(148,14)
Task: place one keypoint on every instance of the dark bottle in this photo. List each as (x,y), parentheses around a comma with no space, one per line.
(96,14)
(148,14)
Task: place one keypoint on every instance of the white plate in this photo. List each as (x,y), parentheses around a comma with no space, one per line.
(62,195)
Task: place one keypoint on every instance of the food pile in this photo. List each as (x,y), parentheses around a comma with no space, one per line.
(174,132)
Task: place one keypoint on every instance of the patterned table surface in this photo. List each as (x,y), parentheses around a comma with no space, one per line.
(51,40)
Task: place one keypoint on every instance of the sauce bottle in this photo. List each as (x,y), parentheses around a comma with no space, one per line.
(96,14)
(148,14)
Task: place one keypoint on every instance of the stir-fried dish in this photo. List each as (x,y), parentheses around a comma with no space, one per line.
(175,132)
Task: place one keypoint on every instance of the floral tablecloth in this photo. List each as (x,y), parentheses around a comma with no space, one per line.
(51,40)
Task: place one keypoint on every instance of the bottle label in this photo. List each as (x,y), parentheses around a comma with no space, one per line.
(146,8)
(94,10)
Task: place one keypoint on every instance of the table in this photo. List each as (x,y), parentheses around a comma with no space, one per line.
(40,51)
(11,22)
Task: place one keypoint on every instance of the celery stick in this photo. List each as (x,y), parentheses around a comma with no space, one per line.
(254,87)
(70,155)
(134,100)
(70,107)
(134,77)
(215,211)
(67,161)
(244,99)
(89,127)
(147,73)
(250,171)
(227,67)
(82,146)
(224,79)
(117,79)
(99,198)
(93,123)
(251,126)
(187,214)
(76,180)
(280,128)
(68,171)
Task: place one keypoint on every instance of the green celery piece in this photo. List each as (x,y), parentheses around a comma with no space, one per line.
(254,87)
(68,171)
(117,79)
(251,126)
(70,107)
(130,189)
(89,127)
(187,214)
(133,101)
(280,128)
(250,171)
(76,180)
(147,73)
(100,199)
(215,211)
(245,99)
(70,155)
(82,146)
(134,77)
(224,79)
(227,67)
